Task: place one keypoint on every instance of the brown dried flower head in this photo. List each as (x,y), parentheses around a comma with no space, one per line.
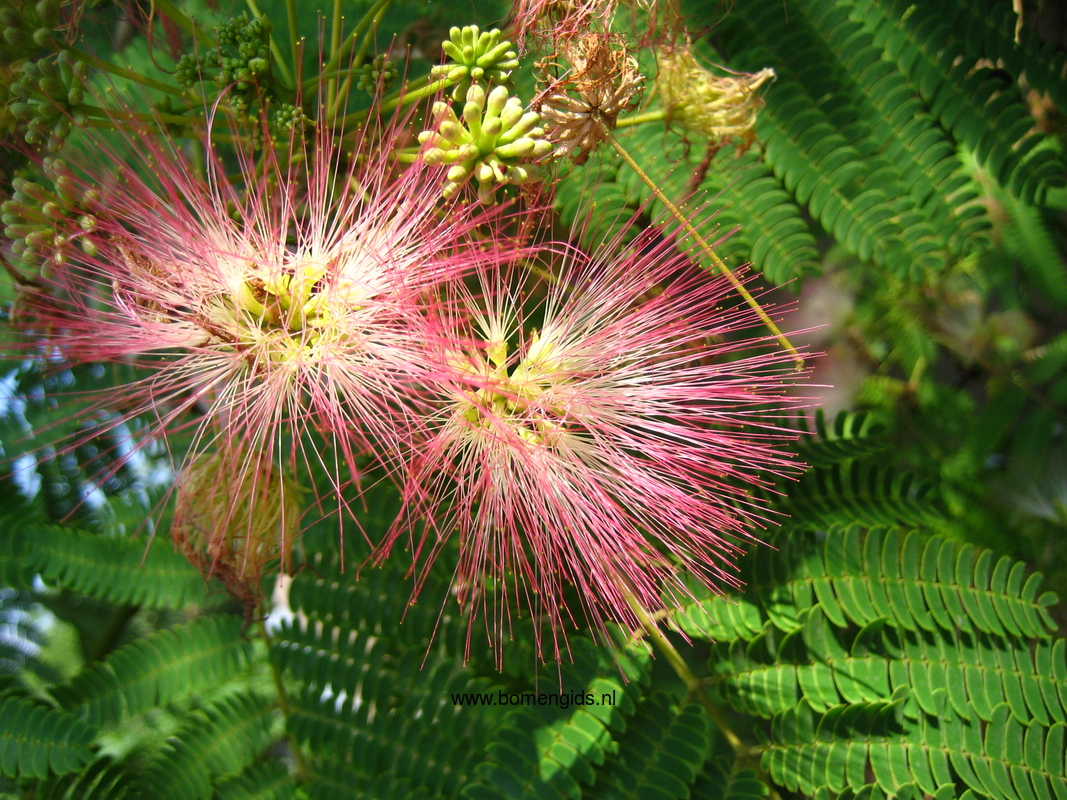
(600,81)
(722,107)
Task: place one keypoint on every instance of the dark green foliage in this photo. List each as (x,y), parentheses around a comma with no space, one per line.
(863,492)
(861,130)
(268,780)
(217,743)
(765,226)
(903,654)
(660,754)
(103,779)
(158,669)
(849,436)
(552,750)
(933,44)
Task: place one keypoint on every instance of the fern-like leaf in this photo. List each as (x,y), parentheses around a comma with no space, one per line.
(969,101)
(862,492)
(851,435)
(552,750)
(157,670)
(36,740)
(268,780)
(661,753)
(218,742)
(129,571)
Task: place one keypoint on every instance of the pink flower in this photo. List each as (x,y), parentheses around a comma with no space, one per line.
(264,309)
(594,446)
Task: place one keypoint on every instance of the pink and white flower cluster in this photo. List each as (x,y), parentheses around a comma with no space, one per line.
(587,437)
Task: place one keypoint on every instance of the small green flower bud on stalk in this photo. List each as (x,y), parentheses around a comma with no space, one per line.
(47,12)
(378,75)
(50,95)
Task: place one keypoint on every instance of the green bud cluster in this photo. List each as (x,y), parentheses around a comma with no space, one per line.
(494,135)
(379,74)
(477,57)
(49,95)
(37,219)
(285,121)
(287,118)
(26,28)
(242,60)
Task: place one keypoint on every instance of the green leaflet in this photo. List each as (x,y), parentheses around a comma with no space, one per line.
(37,741)
(850,435)
(159,669)
(661,748)
(268,780)
(1012,760)
(217,743)
(549,751)
(120,570)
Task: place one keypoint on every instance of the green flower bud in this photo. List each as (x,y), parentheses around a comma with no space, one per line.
(16,37)
(477,56)
(48,12)
(10,17)
(494,133)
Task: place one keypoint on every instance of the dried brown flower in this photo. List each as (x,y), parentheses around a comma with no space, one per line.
(600,81)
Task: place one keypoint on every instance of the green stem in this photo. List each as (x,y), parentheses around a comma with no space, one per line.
(279,62)
(424,88)
(696,688)
(122,116)
(294,34)
(703,245)
(183,21)
(350,42)
(284,704)
(335,48)
(122,72)
(362,54)
(640,119)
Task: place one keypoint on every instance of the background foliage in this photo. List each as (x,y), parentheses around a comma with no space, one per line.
(908,187)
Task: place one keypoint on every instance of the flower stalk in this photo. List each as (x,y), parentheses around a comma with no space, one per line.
(703,246)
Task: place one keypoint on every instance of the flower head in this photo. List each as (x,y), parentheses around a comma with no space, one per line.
(599,82)
(721,107)
(603,442)
(265,309)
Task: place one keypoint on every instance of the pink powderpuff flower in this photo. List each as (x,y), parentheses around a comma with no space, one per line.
(264,309)
(593,447)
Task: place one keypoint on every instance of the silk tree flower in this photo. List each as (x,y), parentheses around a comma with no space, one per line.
(264,308)
(598,446)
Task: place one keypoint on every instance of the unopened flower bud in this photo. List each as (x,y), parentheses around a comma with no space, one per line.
(494,133)
(477,56)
